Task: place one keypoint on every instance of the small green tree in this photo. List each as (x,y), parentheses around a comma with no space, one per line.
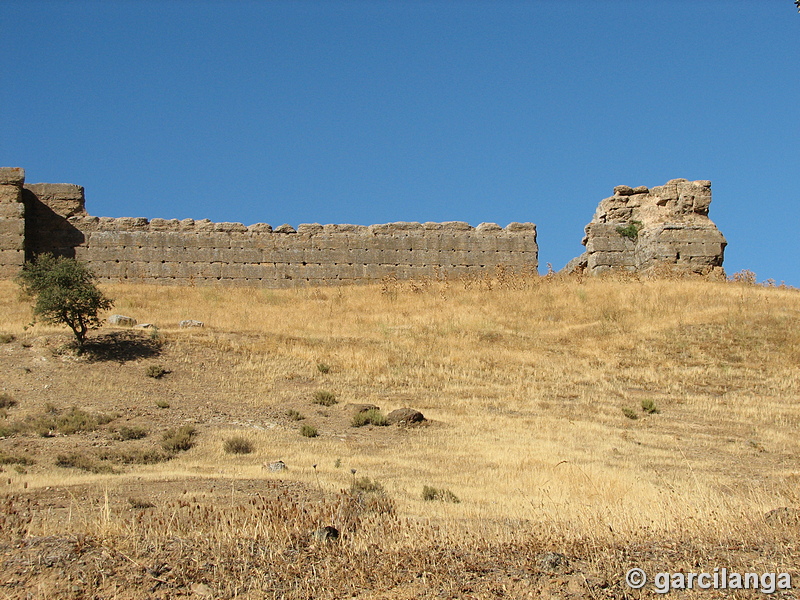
(64,293)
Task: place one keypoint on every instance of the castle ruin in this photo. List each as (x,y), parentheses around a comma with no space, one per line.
(51,218)
(637,229)
(640,229)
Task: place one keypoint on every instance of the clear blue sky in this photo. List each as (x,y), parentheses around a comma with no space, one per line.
(377,111)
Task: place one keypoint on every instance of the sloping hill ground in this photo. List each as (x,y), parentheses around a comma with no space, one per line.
(585,426)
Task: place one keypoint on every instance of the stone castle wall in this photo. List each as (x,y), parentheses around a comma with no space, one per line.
(38,218)
(12,222)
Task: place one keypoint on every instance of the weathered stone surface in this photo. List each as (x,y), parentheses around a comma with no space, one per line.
(404,416)
(64,199)
(122,320)
(488,227)
(12,176)
(12,222)
(640,229)
(577,265)
(309,228)
(39,218)
(190,323)
(623,190)
(325,534)
(521,227)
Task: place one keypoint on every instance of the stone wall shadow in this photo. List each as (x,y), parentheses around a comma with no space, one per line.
(46,231)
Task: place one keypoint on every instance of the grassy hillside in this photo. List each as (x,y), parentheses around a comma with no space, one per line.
(611,422)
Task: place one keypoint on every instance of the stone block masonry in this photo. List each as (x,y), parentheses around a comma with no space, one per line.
(52,218)
(640,229)
(12,222)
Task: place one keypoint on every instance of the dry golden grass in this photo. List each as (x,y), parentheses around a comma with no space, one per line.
(524,381)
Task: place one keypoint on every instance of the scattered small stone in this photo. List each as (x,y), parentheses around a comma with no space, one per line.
(146,326)
(404,416)
(326,534)
(784,515)
(202,590)
(122,320)
(552,561)
(191,323)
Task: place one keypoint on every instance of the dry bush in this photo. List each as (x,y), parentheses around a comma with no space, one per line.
(369,417)
(78,460)
(309,431)
(238,445)
(178,439)
(125,433)
(156,371)
(430,493)
(324,398)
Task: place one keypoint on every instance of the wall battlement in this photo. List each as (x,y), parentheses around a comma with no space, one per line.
(39,218)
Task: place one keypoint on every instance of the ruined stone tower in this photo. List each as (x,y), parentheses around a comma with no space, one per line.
(640,229)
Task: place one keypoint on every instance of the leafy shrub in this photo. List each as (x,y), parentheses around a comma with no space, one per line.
(649,406)
(309,431)
(631,230)
(630,413)
(238,445)
(369,417)
(323,368)
(130,433)
(64,293)
(294,415)
(430,494)
(7,401)
(6,338)
(162,404)
(178,439)
(156,371)
(324,398)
